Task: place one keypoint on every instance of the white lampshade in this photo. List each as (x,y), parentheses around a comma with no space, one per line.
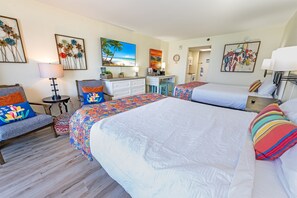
(47,70)
(266,64)
(136,69)
(163,65)
(284,59)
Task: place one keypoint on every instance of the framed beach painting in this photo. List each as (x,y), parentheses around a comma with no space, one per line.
(71,52)
(240,57)
(155,59)
(117,53)
(11,45)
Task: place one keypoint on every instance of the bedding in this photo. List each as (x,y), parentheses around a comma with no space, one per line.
(84,118)
(207,152)
(230,96)
(184,91)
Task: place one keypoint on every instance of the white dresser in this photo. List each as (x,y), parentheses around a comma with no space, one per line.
(123,87)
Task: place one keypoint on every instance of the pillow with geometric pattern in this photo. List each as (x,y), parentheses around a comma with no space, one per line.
(15,112)
(255,86)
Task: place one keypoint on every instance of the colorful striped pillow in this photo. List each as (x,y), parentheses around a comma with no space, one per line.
(255,86)
(272,133)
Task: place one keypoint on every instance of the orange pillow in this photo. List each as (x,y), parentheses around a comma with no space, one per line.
(255,86)
(92,89)
(12,98)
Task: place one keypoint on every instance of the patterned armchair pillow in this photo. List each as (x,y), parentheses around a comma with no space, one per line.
(93,95)
(15,112)
(272,133)
(93,98)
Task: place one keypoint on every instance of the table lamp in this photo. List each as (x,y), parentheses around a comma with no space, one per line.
(52,71)
(284,60)
(266,65)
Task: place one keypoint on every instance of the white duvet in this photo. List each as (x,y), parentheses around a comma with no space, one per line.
(231,96)
(176,148)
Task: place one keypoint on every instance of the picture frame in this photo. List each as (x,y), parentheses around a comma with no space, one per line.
(11,44)
(240,57)
(116,53)
(155,59)
(71,52)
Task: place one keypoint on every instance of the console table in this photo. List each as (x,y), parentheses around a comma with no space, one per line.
(156,81)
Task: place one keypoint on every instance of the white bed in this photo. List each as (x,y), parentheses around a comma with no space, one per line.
(231,96)
(207,152)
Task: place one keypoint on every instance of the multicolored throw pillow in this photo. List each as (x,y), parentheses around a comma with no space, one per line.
(93,98)
(15,112)
(255,86)
(12,98)
(272,133)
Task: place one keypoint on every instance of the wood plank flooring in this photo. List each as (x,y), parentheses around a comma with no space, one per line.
(39,165)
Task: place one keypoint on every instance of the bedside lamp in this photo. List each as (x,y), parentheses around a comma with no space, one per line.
(284,60)
(266,65)
(52,71)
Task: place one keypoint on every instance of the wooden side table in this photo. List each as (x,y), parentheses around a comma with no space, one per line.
(256,104)
(64,99)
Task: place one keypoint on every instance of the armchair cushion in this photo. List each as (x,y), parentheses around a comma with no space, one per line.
(24,126)
(9,90)
(12,98)
(15,112)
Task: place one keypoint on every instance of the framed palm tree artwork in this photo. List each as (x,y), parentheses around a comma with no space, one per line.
(117,53)
(71,52)
(11,45)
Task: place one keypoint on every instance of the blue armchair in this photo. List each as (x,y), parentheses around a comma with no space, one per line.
(10,132)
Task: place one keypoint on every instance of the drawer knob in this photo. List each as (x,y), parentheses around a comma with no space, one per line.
(253,101)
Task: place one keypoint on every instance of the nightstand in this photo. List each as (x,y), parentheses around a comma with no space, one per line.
(256,104)
(63,100)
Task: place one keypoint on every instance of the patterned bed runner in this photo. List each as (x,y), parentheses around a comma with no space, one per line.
(83,119)
(184,91)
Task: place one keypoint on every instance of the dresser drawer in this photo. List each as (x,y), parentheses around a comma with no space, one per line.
(139,82)
(120,85)
(138,90)
(121,93)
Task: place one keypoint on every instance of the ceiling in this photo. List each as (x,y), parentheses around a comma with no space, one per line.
(183,19)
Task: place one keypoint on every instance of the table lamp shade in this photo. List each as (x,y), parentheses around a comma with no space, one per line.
(266,64)
(47,70)
(285,59)
(163,65)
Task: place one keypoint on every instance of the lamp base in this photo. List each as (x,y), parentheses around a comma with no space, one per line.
(56,97)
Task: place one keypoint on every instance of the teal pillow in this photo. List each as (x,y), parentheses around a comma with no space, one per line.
(93,98)
(15,112)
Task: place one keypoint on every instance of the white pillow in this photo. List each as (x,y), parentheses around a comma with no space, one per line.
(290,110)
(267,87)
(289,168)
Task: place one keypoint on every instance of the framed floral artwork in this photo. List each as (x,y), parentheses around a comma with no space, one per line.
(11,45)
(240,57)
(71,52)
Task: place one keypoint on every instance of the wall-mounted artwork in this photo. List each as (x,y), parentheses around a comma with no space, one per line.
(71,52)
(117,53)
(240,57)
(155,59)
(11,46)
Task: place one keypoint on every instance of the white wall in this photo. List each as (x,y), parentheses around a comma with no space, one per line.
(290,39)
(270,39)
(39,22)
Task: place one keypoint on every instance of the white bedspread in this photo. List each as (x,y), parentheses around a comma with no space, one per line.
(176,148)
(222,95)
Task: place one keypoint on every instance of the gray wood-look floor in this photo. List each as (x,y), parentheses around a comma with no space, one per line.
(39,165)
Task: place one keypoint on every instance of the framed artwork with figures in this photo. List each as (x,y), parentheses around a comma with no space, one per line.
(240,57)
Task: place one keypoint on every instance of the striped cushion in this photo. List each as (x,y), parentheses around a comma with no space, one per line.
(272,133)
(255,86)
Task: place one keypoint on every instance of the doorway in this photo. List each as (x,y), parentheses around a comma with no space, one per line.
(198,63)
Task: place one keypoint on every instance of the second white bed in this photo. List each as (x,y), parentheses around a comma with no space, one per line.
(231,96)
